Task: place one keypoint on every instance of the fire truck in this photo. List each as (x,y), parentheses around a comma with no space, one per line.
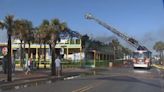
(141,57)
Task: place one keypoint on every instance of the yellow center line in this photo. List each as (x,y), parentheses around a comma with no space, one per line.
(83,88)
(88,87)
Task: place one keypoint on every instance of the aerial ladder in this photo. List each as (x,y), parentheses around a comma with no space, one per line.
(130,40)
(141,57)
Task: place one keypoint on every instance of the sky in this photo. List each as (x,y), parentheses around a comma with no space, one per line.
(141,19)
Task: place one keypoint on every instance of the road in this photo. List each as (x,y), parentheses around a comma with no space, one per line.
(110,80)
(0,67)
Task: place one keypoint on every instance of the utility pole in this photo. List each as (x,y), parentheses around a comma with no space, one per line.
(8,25)
(9,30)
(9,72)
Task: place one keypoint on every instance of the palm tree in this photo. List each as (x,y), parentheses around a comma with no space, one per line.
(159,47)
(24,33)
(8,24)
(85,45)
(38,40)
(85,39)
(49,33)
(115,44)
(126,51)
(54,30)
(30,36)
(44,36)
(21,34)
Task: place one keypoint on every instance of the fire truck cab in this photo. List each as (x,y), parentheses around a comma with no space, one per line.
(142,58)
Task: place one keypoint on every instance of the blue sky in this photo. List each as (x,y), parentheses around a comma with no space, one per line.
(141,19)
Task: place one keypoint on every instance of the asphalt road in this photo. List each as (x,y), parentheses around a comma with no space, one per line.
(0,67)
(110,80)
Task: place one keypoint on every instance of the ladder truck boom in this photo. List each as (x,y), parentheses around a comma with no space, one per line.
(141,57)
(130,40)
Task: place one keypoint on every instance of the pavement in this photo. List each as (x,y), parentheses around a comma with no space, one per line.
(159,66)
(42,75)
(38,75)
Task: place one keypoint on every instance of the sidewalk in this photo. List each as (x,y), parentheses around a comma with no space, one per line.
(159,66)
(19,77)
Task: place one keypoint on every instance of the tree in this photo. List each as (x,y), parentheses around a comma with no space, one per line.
(159,47)
(44,36)
(8,24)
(49,33)
(85,45)
(54,30)
(29,36)
(84,40)
(38,40)
(21,31)
(115,44)
(126,51)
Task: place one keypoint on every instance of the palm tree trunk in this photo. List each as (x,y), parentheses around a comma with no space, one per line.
(44,54)
(53,66)
(160,57)
(9,77)
(39,52)
(21,54)
(29,50)
(24,52)
(50,48)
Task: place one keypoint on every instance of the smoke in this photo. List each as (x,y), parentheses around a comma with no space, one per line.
(105,39)
(161,34)
(150,38)
(147,39)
